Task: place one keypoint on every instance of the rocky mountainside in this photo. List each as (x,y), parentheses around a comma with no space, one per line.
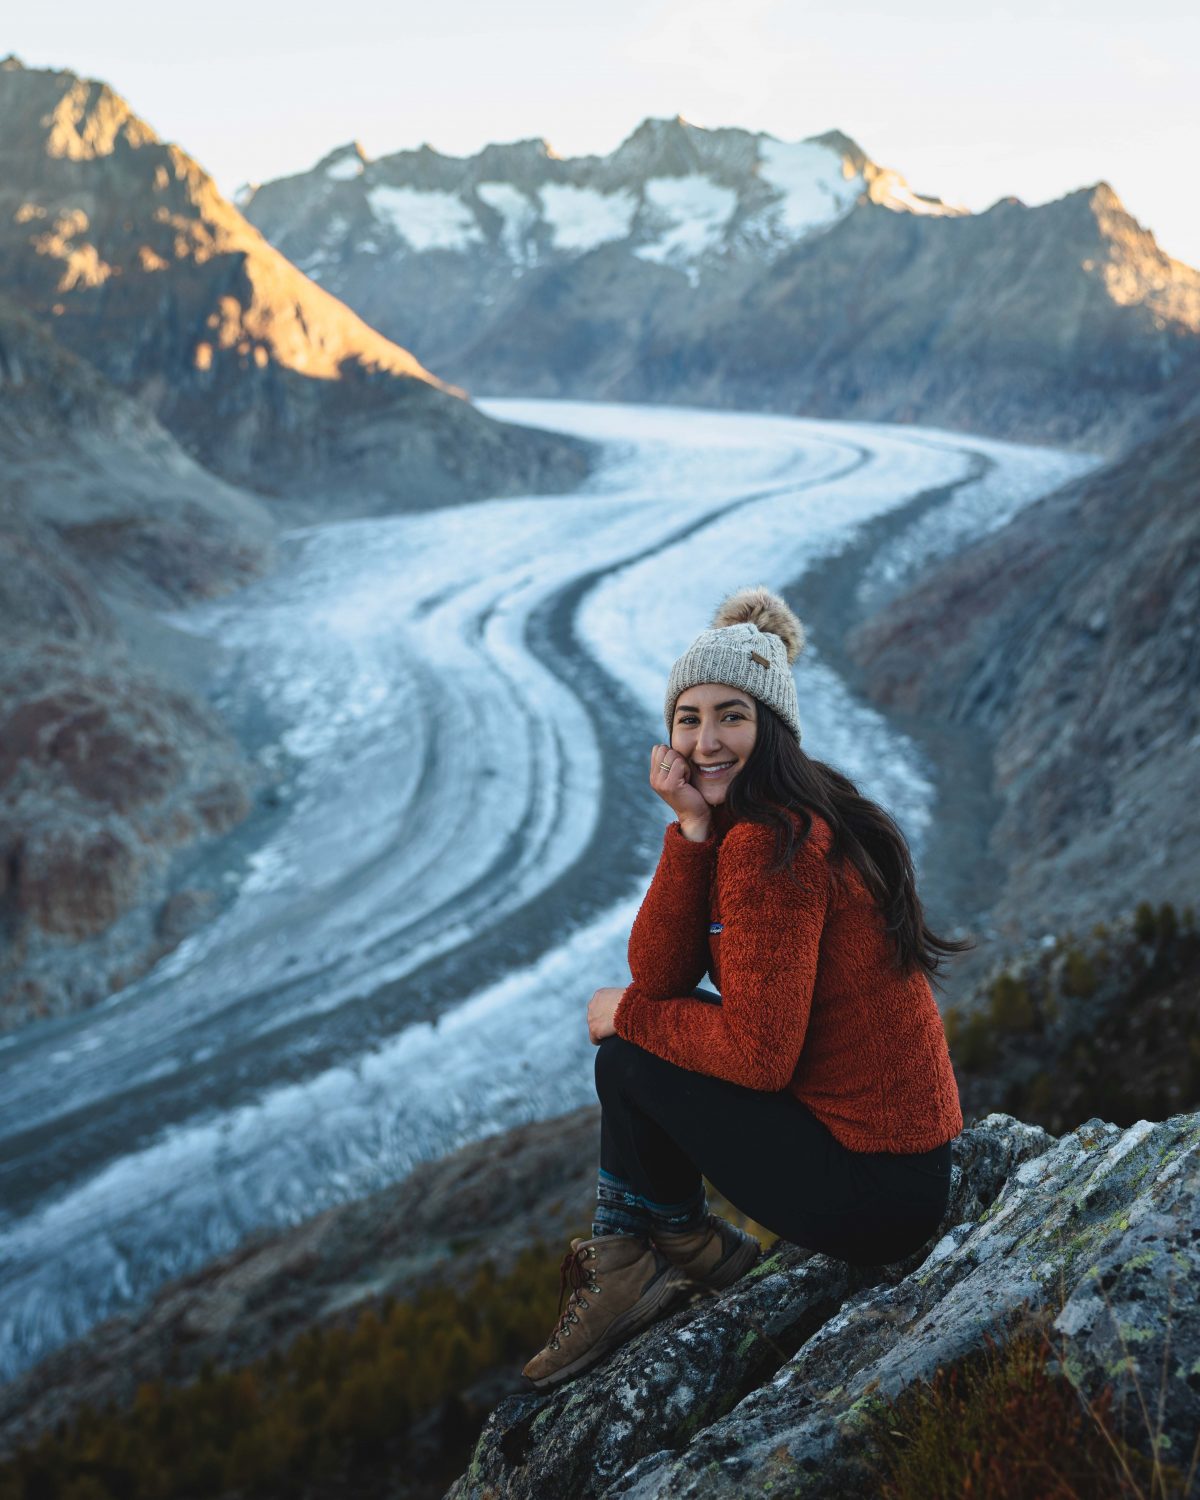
(728,268)
(122,243)
(1064,323)
(1067,639)
(109,770)
(783,1382)
(441,252)
(141,516)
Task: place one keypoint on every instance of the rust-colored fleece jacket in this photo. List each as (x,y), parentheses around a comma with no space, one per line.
(810,999)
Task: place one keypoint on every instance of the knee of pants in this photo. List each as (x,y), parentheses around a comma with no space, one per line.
(614,1056)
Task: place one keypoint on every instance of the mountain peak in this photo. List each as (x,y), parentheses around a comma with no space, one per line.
(347,148)
(674,147)
(842,145)
(65,115)
(515,157)
(656,127)
(1097,195)
(344,161)
(1102,195)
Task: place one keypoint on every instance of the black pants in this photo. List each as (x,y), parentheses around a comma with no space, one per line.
(662,1127)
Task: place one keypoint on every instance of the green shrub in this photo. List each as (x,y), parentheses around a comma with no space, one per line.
(1010,1004)
(1161,927)
(1039,1096)
(339,1399)
(1079,977)
(977,1046)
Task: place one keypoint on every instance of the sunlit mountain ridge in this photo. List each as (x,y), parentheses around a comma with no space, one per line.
(122,244)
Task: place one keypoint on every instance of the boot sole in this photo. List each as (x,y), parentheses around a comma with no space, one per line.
(643,1312)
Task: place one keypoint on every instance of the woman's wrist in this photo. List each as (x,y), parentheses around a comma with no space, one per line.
(696,832)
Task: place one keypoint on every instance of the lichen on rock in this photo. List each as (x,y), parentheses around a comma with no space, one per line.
(768,1388)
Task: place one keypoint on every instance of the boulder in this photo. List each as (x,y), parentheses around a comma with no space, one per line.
(768,1388)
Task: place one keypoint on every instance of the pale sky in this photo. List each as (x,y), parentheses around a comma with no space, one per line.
(968,100)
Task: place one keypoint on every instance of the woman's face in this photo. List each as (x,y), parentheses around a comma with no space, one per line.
(714,728)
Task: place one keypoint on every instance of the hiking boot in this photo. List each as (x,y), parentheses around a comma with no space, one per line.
(618,1285)
(714,1256)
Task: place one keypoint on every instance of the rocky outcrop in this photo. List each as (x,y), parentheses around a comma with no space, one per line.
(727,268)
(123,244)
(92,478)
(772,1386)
(768,1388)
(109,772)
(1067,639)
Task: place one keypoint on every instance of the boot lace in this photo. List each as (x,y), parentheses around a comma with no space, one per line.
(573,1276)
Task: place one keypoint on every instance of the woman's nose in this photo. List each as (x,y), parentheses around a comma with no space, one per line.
(709,739)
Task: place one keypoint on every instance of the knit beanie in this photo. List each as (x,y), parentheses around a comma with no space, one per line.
(752,643)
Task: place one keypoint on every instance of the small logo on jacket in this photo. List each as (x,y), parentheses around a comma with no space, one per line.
(716,926)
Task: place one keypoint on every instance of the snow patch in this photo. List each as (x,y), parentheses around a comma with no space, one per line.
(520,215)
(345,167)
(811,182)
(581,218)
(430,220)
(694,212)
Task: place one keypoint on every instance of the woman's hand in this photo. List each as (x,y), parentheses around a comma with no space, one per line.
(602,1007)
(674,787)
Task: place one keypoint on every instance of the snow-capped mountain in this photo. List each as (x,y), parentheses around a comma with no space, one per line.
(434,250)
(729,268)
(672,194)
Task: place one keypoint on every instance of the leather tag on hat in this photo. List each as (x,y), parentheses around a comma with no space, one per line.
(761,660)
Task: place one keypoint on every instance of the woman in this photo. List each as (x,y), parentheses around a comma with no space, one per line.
(815,1091)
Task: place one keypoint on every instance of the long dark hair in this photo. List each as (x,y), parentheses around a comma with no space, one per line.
(779,776)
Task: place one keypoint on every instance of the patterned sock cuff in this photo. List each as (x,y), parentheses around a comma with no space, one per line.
(619,1210)
(679,1218)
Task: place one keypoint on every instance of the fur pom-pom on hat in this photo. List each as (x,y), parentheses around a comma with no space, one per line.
(759,606)
(751,644)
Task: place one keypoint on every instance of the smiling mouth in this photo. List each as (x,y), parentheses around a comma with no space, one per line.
(716,770)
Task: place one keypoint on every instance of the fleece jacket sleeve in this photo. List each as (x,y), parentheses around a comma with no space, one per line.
(769,948)
(668,946)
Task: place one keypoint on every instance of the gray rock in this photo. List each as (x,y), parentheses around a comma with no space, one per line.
(766,1390)
(681,1377)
